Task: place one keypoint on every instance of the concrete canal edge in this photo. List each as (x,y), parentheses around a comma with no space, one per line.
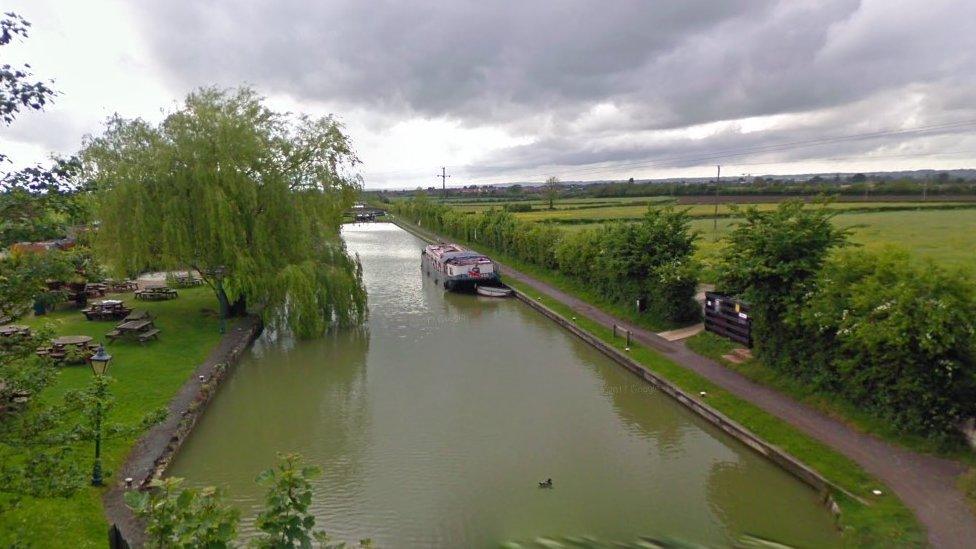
(777,455)
(771,452)
(153,452)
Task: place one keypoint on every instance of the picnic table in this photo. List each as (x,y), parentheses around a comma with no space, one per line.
(59,348)
(108,309)
(143,329)
(14,330)
(140,314)
(187,280)
(156,293)
(122,286)
(95,289)
(64,341)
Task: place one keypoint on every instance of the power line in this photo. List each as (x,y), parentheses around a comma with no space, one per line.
(444,177)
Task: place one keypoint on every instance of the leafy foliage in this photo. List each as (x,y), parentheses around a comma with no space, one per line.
(891,335)
(895,337)
(183,517)
(17,91)
(41,203)
(250,198)
(40,437)
(771,260)
(286,520)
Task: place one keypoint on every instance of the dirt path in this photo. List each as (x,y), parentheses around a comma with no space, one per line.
(925,483)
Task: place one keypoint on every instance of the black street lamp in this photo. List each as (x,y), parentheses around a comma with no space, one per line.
(99,365)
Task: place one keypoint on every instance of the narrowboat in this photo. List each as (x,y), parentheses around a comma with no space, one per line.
(456,267)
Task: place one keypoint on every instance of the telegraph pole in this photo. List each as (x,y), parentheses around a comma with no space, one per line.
(718,181)
(444,177)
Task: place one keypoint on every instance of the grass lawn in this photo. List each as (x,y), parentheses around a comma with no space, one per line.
(146,377)
(885,522)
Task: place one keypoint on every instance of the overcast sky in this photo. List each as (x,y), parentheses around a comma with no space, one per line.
(521,90)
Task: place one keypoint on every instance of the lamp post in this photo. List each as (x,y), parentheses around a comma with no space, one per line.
(99,366)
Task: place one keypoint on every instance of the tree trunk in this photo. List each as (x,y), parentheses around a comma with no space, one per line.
(221,298)
(239,307)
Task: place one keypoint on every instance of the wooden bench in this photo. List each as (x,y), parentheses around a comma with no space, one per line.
(149,334)
(113,334)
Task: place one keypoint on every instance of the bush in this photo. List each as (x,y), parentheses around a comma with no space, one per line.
(893,336)
(896,337)
(517,207)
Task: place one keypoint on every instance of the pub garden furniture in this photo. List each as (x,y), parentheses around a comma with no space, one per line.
(108,309)
(158,293)
(72,349)
(142,329)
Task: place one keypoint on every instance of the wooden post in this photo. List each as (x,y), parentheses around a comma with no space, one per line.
(628,338)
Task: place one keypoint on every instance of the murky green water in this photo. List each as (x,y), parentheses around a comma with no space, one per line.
(435,423)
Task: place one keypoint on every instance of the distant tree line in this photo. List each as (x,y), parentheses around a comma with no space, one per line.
(650,260)
(941,184)
(856,185)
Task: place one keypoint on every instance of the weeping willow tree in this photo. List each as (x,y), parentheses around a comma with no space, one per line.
(250,198)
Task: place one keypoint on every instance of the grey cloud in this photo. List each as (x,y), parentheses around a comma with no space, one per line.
(539,68)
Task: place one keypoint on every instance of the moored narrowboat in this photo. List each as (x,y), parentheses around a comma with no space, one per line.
(456,267)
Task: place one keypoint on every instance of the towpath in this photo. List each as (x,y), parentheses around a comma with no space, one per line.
(927,484)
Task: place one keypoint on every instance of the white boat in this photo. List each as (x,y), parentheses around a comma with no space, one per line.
(494,291)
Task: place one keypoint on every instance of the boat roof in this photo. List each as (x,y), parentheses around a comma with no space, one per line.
(447,252)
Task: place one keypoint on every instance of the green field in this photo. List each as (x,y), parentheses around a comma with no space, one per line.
(146,377)
(598,213)
(944,232)
(947,237)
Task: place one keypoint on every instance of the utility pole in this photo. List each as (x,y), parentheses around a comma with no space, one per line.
(718,181)
(444,177)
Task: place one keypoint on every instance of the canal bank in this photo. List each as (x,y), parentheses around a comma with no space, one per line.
(926,484)
(152,453)
(435,423)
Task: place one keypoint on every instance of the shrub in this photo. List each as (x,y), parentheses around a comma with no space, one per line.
(893,336)
(896,337)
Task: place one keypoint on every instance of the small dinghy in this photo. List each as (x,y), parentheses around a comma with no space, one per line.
(493,291)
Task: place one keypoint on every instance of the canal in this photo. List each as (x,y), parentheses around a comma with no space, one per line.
(435,422)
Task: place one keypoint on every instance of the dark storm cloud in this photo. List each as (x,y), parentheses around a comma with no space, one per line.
(474,60)
(543,68)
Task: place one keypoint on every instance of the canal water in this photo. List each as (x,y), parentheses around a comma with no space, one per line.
(434,424)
